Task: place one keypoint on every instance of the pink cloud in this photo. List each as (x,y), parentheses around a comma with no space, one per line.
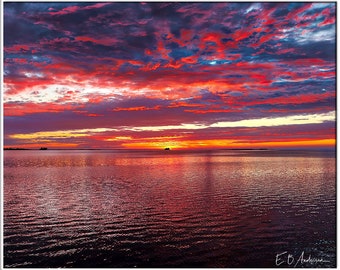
(98,5)
(73,9)
(66,10)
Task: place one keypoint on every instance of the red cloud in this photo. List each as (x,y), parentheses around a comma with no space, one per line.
(140,108)
(17,48)
(213,37)
(190,59)
(301,99)
(327,21)
(184,104)
(19,109)
(106,41)
(210,111)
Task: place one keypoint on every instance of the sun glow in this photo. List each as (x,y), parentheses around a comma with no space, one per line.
(228,144)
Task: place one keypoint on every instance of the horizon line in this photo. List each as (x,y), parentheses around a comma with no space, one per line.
(176,149)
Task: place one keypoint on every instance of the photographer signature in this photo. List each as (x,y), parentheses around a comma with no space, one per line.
(287,259)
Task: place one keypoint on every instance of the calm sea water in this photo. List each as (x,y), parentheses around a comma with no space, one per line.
(169,209)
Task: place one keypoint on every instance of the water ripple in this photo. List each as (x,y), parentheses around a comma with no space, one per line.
(102,209)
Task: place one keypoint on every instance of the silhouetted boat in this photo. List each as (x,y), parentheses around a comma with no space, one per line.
(43,148)
(166,148)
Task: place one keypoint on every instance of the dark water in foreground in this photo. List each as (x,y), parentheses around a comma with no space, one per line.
(165,209)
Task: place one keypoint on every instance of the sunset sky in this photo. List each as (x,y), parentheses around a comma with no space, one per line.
(180,75)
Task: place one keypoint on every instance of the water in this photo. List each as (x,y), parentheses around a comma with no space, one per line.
(169,209)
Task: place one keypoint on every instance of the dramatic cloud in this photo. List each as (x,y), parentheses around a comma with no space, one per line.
(149,75)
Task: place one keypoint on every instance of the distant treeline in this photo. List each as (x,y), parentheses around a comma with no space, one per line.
(18,148)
